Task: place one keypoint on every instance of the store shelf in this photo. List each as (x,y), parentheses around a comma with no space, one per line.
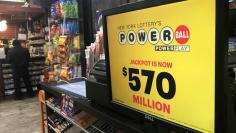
(232,60)
(54,129)
(31,74)
(37,44)
(99,112)
(7,72)
(22,87)
(98,126)
(232,66)
(23,90)
(6,66)
(35,37)
(37,63)
(10,77)
(30,70)
(9,83)
(9,89)
(66,117)
(38,58)
(35,74)
(71,34)
(36,70)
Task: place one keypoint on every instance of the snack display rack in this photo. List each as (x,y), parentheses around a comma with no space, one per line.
(66,49)
(65,60)
(36,44)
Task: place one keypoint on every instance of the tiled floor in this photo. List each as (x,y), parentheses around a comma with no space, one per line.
(20,116)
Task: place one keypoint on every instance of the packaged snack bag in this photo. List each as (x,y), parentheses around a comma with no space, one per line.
(62,40)
(65,73)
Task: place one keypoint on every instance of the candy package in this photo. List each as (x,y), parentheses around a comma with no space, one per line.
(50,56)
(71,27)
(62,49)
(53,9)
(99,49)
(56,71)
(69,8)
(62,57)
(65,73)
(74,58)
(51,76)
(58,8)
(55,41)
(53,30)
(62,40)
(76,42)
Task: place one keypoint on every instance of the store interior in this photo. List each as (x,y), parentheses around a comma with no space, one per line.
(69,73)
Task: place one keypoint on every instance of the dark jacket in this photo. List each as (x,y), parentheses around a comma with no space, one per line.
(18,57)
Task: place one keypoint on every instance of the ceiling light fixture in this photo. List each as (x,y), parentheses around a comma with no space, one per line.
(3,25)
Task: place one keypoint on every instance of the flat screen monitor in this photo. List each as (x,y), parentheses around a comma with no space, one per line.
(165,60)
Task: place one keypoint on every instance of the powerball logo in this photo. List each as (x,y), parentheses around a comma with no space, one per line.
(166,36)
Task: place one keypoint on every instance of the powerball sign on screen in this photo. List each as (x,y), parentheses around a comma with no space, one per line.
(162,62)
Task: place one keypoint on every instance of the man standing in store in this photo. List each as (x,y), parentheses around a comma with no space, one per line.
(19,58)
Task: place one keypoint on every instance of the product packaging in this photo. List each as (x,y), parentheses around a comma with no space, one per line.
(84,119)
(68,106)
(64,74)
(76,42)
(51,76)
(62,40)
(232,45)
